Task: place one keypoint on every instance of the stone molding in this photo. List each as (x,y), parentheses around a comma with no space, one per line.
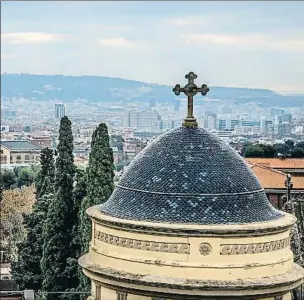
(253,287)
(235,249)
(189,230)
(183,248)
(177,248)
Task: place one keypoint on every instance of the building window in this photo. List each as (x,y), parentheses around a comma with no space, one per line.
(27,157)
(18,157)
(1,151)
(122,296)
(3,159)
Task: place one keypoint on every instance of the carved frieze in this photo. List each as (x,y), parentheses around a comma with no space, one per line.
(142,245)
(254,248)
(205,249)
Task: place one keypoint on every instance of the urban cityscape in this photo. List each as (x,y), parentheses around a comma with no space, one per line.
(126,175)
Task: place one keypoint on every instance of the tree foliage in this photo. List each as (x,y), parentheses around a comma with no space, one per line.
(14,205)
(58,260)
(254,151)
(46,174)
(18,177)
(100,173)
(25,177)
(289,148)
(8,179)
(26,271)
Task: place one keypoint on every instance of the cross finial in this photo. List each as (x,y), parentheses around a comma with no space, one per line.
(190,90)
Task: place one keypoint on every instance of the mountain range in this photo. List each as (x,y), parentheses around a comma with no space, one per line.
(105,89)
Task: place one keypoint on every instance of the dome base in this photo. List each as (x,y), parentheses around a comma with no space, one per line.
(183,288)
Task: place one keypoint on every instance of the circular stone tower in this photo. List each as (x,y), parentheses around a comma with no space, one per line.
(189,220)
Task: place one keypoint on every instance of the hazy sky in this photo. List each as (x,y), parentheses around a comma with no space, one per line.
(242,44)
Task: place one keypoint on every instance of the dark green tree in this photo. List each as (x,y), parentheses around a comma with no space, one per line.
(8,179)
(300,144)
(80,191)
(100,174)
(25,177)
(269,151)
(46,170)
(57,264)
(289,144)
(254,151)
(297,152)
(281,148)
(26,271)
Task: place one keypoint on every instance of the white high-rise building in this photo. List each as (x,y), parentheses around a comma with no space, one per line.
(263,124)
(144,120)
(59,111)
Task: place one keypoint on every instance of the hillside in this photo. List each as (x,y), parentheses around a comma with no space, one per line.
(105,89)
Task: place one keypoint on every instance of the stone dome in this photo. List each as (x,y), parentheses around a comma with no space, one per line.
(188,175)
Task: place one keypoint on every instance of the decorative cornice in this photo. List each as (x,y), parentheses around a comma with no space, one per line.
(224,230)
(285,281)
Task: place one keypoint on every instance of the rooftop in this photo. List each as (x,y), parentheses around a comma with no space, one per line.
(20,145)
(188,175)
(278,163)
(273,179)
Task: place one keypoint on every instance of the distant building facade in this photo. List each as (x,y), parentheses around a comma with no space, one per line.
(19,152)
(143,120)
(59,111)
(4,128)
(44,141)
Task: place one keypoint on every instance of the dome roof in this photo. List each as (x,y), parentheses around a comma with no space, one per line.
(188,175)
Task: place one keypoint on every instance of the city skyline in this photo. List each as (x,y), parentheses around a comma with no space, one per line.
(238,44)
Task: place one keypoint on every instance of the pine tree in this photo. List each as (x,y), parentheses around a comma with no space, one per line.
(57,262)
(100,173)
(26,271)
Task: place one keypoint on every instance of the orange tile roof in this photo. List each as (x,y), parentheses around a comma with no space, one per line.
(273,179)
(277,163)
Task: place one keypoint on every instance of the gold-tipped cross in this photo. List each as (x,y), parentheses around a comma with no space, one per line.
(190,90)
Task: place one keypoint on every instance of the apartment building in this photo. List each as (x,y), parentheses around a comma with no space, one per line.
(19,152)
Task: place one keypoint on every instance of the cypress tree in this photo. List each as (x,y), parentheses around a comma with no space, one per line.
(80,191)
(26,271)
(58,253)
(47,170)
(100,176)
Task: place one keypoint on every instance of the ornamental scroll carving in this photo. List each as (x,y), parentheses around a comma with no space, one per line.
(142,245)
(255,248)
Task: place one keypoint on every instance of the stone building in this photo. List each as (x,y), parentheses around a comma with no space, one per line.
(189,220)
(273,182)
(293,166)
(19,152)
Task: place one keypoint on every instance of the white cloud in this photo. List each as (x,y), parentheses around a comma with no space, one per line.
(115,42)
(29,37)
(260,41)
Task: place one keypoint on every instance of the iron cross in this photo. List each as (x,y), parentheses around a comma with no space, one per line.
(190,90)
